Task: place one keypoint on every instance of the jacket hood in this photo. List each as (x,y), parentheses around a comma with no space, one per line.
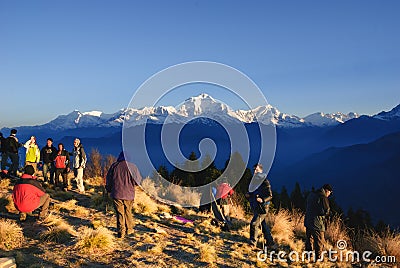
(121,157)
(27,176)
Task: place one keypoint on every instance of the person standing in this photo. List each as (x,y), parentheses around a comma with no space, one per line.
(11,148)
(79,163)
(3,150)
(259,198)
(28,195)
(47,155)
(61,163)
(120,183)
(317,208)
(32,156)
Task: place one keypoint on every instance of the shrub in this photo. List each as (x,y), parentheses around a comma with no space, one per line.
(11,235)
(207,253)
(281,226)
(336,230)
(95,240)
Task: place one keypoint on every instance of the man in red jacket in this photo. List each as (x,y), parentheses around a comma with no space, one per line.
(28,195)
(225,191)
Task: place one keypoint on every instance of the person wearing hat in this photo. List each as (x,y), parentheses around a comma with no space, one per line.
(28,195)
(11,148)
(317,208)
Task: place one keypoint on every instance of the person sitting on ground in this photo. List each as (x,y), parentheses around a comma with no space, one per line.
(61,163)
(317,208)
(32,153)
(47,156)
(224,192)
(28,195)
(120,183)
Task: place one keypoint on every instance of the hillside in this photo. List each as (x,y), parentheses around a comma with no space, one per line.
(80,231)
(364,175)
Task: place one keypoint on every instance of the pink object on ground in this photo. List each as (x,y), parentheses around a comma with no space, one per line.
(183,219)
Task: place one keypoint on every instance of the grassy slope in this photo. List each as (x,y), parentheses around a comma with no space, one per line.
(157,242)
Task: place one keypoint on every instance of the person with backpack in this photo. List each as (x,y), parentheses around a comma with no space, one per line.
(79,163)
(260,195)
(224,192)
(61,163)
(47,156)
(32,156)
(121,179)
(11,148)
(28,195)
(317,208)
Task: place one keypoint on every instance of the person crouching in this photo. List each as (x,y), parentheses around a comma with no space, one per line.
(28,195)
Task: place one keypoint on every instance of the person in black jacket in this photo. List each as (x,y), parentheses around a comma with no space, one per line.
(11,148)
(317,208)
(47,156)
(259,198)
(3,150)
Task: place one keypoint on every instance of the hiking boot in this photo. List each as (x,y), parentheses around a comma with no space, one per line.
(121,235)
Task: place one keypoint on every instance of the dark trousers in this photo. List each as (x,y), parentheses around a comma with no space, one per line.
(64,178)
(258,222)
(319,240)
(4,158)
(46,168)
(14,163)
(123,209)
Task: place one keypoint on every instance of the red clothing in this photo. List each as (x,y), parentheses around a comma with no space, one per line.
(26,194)
(224,189)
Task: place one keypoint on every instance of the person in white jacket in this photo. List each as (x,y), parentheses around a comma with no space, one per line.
(79,163)
(32,156)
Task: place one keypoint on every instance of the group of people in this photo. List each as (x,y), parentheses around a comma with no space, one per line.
(123,176)
(317,209)
(55,162)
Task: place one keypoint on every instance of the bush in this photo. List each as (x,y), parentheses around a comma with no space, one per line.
(281,226)
(95,240)
(11,235)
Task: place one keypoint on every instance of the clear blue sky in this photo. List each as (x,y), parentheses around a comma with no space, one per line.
(306,56)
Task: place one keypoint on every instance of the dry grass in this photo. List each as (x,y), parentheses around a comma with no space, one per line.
(98,240)
(7,203)
(297,218)
(11,235)
(58,230)
(385,244)
(4,183)
(207,253)
(282,227)
(144,204)
(335,231)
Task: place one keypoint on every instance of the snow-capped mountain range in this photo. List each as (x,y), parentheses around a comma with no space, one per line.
(203,106)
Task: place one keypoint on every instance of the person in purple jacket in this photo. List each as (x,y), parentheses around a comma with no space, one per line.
(120,183)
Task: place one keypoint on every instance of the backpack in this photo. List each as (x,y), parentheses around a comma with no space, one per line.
(60,161)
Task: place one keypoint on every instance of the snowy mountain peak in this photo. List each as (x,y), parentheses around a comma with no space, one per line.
(394,113)
(206,106)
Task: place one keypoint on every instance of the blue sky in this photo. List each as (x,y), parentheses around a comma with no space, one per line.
(306,56)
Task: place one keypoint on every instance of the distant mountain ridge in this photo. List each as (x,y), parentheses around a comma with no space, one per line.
(202,105)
